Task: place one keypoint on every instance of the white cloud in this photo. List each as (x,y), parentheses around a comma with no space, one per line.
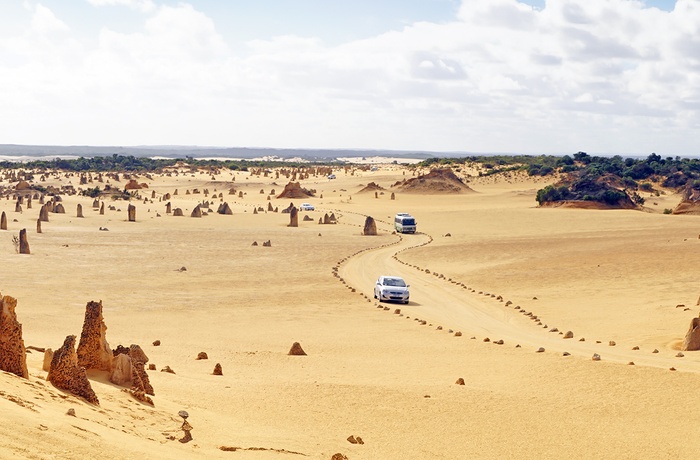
(142,5)
(606,76)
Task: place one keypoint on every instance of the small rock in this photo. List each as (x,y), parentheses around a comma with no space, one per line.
(168,370)
(612,343)
(655,351)
(631,363)
(218,370)
(566,353)
(486,339)
(540,350)
(458,334)
(596,357)
(151,367)
(460,381)
(156,343)
(202,355)
(680,355)
(635,348)
(352,440)
(71,412)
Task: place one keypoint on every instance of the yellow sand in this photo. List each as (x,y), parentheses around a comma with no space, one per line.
(604,275)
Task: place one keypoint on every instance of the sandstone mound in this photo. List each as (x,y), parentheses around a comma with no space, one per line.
(692,337)
(133,185)
(690,204)
(218,370)
(23,243)
(371,187)
(196,212)
(22,185)
(296,350)
(177,212)
(438,181)
(13,356)
(66,374)
(294,190)
(93,349)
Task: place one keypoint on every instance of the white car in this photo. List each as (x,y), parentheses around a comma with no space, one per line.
(306,207)
(391,288)
(331,176)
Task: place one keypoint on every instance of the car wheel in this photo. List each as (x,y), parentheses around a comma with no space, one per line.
(405,302)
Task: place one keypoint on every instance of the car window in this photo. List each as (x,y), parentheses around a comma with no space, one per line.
(397,282)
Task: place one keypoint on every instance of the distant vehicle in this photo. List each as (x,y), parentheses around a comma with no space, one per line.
(373,168)
(306,207)
(331,176)
(405,223)
(391,288)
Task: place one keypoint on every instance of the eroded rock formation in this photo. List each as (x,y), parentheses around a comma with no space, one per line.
(132,213)
(692,337)
(293,217)
(66,374)
(13,356)
(23,243)
(3,221)
(370,227)
(93,350)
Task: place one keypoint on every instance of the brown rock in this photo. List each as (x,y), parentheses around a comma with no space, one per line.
(102,208)
(66,374)
(224,209)
(59,209)
(177,212)
(168,370)
(38,225)
(3,221)
(202,355)
(23,243)
(196,212)
(139,378)
(79,212)
(339,456)
(370,227)
(569,335)
(132,185)
(13,355)
(296,350)
(156,343)
(18,206)
(137,354)
(168,208)
(267,243)
(131,210)
(122,370)
(460,381)
(218,370)
(293,217)
(692,337)
(352,440)
(93,350)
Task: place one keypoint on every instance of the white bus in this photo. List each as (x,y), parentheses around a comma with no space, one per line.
(405,223)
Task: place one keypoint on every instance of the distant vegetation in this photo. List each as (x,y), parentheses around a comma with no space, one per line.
(613,181)
(130,163)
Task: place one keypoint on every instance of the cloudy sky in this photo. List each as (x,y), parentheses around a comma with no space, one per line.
(535,76)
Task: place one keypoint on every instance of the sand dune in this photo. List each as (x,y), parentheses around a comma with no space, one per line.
(199,285)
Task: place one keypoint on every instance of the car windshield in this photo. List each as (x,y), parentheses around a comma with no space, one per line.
(408,221)
(398,282)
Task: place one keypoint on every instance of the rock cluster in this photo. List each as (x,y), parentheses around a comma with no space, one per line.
(13,356)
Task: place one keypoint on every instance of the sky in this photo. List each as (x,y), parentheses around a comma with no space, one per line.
(481,76)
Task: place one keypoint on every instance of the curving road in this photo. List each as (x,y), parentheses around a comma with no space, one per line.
(453,306)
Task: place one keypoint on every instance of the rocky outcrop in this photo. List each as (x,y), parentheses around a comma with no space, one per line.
(132,185)
(38,225)
(59,209)
(79,212)
(13,356)
(692,337)
(44,213)
(370,227)
(23,243)
(132,213)
(48,356)
(177,212)
(93,350)
(196,212)
(3,221)
(293,217)
(66,374)
(168,208)
(137,354)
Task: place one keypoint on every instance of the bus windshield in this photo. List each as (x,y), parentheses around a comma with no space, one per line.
(408,221)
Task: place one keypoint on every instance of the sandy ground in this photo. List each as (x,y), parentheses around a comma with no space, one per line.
(385,377)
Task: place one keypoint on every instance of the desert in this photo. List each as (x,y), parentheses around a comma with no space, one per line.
(532,331)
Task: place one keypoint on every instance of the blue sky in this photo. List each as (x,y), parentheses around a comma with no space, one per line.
(606,76)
